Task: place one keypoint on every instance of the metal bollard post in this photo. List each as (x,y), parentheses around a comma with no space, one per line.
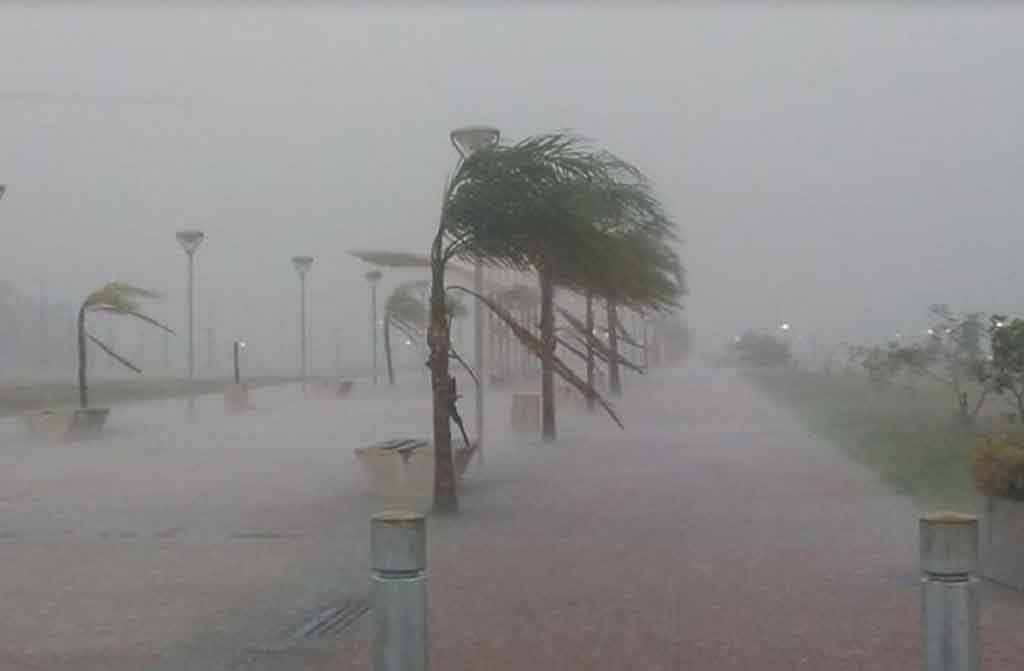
(398,548)
(949,607)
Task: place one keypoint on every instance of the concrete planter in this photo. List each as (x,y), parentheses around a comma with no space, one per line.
(1002,541)
(405,469)
(525,415)
(236,398)
(66,426)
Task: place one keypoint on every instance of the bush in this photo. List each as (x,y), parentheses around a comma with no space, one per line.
(997,466)
(762,350)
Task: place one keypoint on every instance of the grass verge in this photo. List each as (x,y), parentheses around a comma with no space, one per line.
(909,436)
(16,399)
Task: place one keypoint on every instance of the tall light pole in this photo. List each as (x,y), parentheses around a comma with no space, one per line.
(373,277)
(302,265)
(467,141)
(190,239)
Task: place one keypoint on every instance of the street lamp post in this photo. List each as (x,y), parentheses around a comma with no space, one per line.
(302,265)
(467,141)
(189,239)
(238,346)
(373,277)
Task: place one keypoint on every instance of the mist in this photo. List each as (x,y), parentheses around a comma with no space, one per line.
(841,168)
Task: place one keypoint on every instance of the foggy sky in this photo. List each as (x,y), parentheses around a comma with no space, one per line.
(837,168)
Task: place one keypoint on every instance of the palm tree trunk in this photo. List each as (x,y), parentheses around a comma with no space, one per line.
(387,350)
(614,376)
(547,336)
(445,498)
(83,388)
(590,350)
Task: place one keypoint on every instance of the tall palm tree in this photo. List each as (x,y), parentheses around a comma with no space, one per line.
(115,298)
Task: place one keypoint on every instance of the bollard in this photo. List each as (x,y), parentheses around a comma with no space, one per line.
(398,550)
(949,606)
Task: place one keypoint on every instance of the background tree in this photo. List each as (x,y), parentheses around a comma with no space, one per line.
(761,349)
(1007,338)
(116,298)
(955,348)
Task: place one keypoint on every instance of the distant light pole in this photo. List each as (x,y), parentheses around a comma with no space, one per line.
(238,346)
(302,265)
(373,277)
(190,239)
(467,141)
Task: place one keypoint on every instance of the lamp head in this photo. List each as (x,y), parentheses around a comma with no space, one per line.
(189,239)
(470,139)
(302,264)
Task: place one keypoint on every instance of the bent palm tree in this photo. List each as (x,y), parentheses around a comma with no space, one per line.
(115,298)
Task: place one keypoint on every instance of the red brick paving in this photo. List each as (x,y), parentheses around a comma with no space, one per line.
(713,534)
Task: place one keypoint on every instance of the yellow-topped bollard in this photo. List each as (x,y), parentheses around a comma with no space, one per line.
(949,603)
(398,559)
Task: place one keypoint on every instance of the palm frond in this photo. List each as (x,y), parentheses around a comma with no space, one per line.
(536,347)
(117,357)
(602,349)
(132,313)
(118,297)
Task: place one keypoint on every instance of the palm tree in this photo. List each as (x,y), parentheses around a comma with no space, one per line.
(115,298)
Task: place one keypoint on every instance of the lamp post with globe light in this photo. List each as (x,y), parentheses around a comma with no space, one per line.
(302,264)
(190,239)
(467,141)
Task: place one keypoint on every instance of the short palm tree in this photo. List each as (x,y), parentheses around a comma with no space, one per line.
(115,298)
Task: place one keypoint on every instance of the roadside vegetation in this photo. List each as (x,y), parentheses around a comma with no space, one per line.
(937,419)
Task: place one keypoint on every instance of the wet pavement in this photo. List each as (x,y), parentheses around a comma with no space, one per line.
(714,533)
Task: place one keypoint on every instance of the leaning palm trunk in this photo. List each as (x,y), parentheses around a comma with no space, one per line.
(590,349)
(445,498)
(387,351)
(614,376)
(83,385)
(549,431)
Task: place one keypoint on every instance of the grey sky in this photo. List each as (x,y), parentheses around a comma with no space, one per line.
(838,168)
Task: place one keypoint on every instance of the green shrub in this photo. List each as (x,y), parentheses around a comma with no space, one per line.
(997,466)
